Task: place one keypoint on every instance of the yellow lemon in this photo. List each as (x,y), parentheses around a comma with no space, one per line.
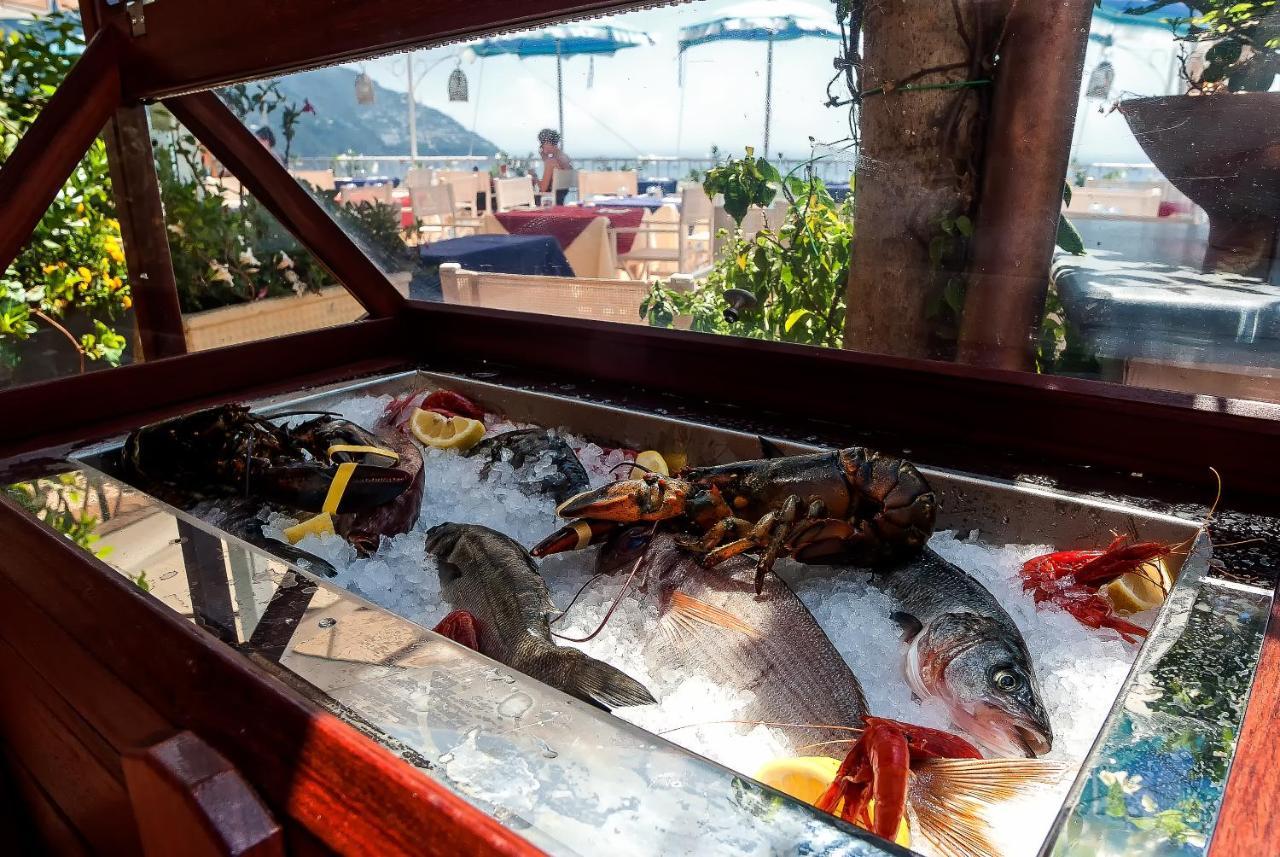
(320,525)
(677,461)
(649,462)
(1141,590)
(444,432)
(805,778)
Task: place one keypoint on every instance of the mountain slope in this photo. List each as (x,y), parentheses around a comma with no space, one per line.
(339,125)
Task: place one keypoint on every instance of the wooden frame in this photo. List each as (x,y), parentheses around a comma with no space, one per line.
(922,405)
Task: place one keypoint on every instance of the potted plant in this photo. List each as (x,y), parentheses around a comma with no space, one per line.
(1220,143)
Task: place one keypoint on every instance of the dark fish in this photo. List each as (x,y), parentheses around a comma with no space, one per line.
(713,624)
(495,580)
(526,448)
(966,651)
(365,528)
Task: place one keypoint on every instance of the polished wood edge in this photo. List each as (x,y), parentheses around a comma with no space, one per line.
(186,49)
(51,148)
(306,763)
(214,125)
(83,407)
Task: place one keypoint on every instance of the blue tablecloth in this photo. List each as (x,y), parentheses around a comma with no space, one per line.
(653,203)
(668,186)
(505,254)
(839,191)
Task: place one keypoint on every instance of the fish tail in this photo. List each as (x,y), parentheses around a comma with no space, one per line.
(578,674)
(948,798)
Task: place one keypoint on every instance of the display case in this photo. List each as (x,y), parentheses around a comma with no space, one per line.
(179,678)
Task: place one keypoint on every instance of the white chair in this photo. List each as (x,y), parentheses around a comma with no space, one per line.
(468,185)
(606,183)
(513,193)
(686,242)
(379,194)
(319,179)
(436,213)
(566,297)
(418,177)
(563,180)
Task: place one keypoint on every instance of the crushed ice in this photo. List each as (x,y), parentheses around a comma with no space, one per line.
(1080,671)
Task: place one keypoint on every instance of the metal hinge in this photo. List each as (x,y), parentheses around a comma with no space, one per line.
(138,16)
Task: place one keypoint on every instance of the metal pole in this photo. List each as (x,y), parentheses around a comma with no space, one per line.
(768,98)
(413,114)
(560,88)
(1028,147)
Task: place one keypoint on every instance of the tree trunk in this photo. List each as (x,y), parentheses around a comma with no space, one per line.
(917,164)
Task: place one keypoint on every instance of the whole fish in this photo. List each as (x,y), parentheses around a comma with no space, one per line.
(713,624)
(966,651)
(525,449)
(495,580)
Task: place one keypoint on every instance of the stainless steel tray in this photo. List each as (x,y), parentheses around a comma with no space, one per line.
(562,770)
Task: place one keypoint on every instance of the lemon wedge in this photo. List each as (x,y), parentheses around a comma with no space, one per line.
(1141,590)
(805,778)
(460,433)
(320,525)
(649,462)
(677,461)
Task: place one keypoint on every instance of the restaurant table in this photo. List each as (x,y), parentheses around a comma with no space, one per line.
(582,232)
(652,203)
(365,181)
(839,192)
(538,255)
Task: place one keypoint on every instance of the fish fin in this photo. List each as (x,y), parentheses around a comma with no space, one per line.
(605,686)
(687,609)
(948,798)
(769,449)
(910,625)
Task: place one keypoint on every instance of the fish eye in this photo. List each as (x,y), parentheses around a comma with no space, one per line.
(1006,680)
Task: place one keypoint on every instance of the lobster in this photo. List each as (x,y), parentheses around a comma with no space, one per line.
(229,450)
(877,768)
(1072,580)
(849,505)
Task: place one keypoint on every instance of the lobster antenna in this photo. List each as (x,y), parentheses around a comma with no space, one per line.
(576,596)
(248,464)
(284,414)
(616,601)
(632,464)
(858,729)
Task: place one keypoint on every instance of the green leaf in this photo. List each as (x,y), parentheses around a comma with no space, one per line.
(793,318)
(964,226)
(1066,192)
(1069,237)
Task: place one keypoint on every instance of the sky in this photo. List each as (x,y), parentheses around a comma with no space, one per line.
(636,105)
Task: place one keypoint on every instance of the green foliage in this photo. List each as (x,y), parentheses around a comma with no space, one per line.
(744,183)
(1244,55)
(74,262)
(1059,347)
(797,275)
(62,504)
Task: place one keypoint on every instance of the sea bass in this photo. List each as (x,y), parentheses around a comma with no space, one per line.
(495,581)
(713,624)
(966,651)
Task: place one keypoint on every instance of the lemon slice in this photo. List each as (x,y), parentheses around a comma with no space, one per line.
(677,461)
(1141,590)
(805,778)
(649,462)
(443,432)
(320,525)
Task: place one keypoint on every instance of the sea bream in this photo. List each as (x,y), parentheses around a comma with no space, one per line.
(504,612)
(712,624)
(965,650)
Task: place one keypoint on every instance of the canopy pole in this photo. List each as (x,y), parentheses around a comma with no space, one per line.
(413,112)
(768,97)
(680,117)
(560,88)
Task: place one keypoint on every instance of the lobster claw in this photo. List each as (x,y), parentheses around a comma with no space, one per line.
(306,486)
(653,498)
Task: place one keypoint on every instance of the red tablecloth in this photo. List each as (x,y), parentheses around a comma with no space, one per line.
(565,222)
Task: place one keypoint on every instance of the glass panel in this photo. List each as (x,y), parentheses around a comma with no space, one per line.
(65,302)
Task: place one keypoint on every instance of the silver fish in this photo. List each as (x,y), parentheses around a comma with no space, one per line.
(494,579)
(712,624)
(966,651)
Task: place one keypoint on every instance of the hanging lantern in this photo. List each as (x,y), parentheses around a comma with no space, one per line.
(364,89)
(458,89)
(1100,81)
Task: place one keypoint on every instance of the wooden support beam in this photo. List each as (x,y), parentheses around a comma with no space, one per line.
(45,156)
(1028,148)
(146,240)
(213,124)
